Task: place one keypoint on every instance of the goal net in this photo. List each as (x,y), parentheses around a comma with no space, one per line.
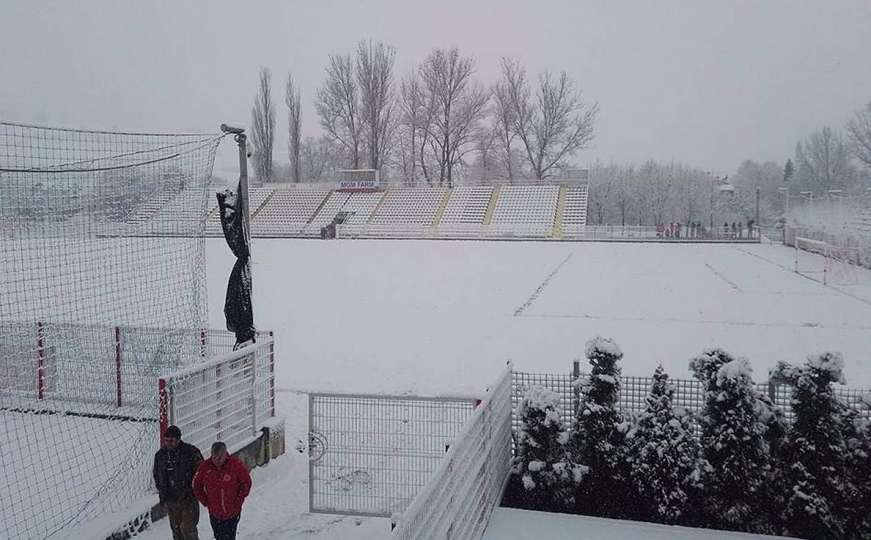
(826,263)
(102,288)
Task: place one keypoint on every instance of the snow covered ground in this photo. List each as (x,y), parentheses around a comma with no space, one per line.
(513,524)
(437,317)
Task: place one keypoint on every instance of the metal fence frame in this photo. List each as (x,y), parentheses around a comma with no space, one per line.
(371,453)
(226,399)
(469,483)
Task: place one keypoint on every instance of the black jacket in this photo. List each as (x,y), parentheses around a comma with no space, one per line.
(174,471)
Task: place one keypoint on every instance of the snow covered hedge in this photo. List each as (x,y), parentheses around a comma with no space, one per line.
(735,465)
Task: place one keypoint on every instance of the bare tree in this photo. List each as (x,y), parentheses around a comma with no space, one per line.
(823,162)
(458,104)
(319,158)
(602,182)
(504,120)
(263,126)
(415,117)
(294,127)
(337,104)
(859,133)
(374,71)
(554,123)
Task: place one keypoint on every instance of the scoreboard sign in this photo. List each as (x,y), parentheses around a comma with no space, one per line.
(359,180)
(359,184)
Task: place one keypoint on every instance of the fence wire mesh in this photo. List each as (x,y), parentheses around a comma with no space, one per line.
(226,399)
(370,454)
(632,397)
(468,484)
(75,209)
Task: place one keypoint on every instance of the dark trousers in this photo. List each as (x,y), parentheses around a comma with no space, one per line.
(224,529)
(183,518)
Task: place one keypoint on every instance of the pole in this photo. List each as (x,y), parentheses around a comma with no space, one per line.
(118,366)
(712,204)
(757,210)
(40,361)
(163,410)
(242,139)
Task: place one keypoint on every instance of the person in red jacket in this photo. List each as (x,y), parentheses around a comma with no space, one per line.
(221,484)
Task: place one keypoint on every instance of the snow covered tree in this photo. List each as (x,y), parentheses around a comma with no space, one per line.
(859,466)
(736,455)
(663,456)
(599,434)
(816,456)
(547,477)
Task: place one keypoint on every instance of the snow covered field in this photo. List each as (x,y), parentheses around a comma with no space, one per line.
(435,317)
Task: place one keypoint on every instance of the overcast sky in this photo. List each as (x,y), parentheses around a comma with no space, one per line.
(708,83)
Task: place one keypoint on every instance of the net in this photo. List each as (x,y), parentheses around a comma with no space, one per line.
(102,288)
(824,262)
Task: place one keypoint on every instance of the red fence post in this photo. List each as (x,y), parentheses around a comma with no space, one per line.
(272,373)
(163,412)
(40,361)
(203,349)
(118,365)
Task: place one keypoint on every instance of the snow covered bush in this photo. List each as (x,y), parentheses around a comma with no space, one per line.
(547,478)
(859,466)
(736,454)
(663,456)
(599,435)
(816,471)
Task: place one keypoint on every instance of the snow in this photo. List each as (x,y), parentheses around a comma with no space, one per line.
(734,370)
(541,398)
(602,345)
(833,363)
(438,317)
(514,524)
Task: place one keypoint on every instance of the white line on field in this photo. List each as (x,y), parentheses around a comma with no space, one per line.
(700,321)
(724,278)
(529,301)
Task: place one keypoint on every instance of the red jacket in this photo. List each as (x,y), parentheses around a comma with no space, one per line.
(222,490)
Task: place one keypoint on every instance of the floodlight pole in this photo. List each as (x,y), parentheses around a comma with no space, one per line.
(242,140)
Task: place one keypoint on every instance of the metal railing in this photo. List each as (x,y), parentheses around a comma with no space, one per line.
(632,398)
(227,399)
(99,365)
(468,484)
(370,454)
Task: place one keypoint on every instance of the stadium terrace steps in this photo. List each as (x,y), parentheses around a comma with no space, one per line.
(417,206)
(467,205)
(287,211)
(464,212)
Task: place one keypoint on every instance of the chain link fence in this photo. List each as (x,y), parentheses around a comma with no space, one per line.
(371,454)
(689,393)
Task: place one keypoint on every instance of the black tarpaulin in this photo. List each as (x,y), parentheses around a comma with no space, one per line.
(237,307)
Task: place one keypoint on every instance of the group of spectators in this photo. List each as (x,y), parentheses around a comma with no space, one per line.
(696,229)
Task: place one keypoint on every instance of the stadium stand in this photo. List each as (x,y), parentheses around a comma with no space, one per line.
(552,210)
(287,211)
(417,206)
(152,205)
(574,216)
(332,206)
(526,211)
(361,205)
(467,205)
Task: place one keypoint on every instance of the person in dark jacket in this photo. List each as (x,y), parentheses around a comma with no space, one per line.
(174,467)
(222,482)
